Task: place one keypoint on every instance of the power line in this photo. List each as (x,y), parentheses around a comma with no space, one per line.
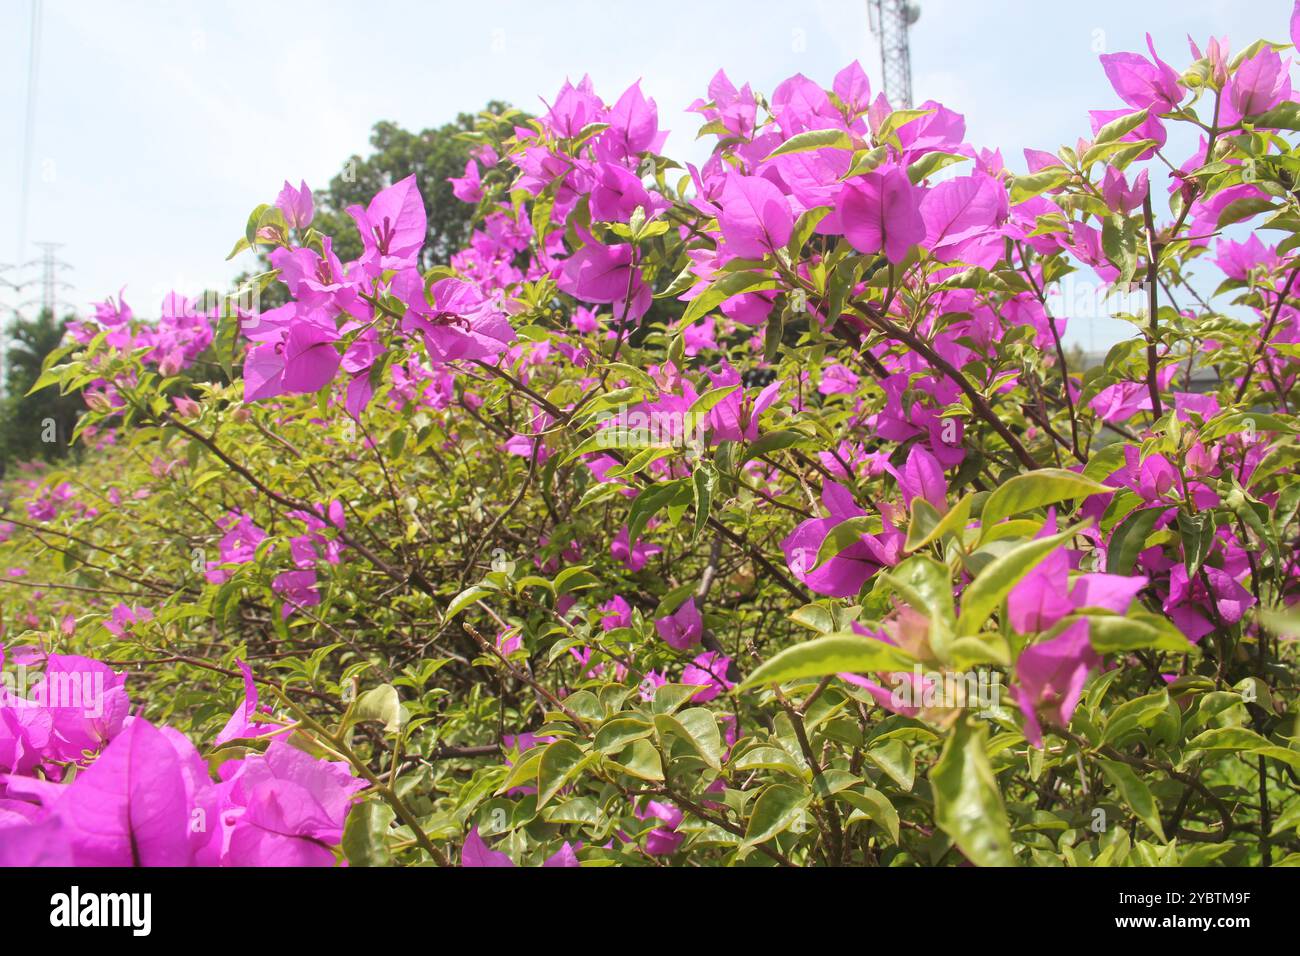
(29,135)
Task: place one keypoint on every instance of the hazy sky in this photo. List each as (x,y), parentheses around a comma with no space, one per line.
(159,126)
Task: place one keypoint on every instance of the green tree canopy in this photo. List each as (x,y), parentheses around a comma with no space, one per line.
(25,420)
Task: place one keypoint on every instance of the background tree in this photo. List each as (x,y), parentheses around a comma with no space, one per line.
(25,419)
(433,155)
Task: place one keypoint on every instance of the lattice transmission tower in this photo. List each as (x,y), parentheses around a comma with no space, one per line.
(890,20)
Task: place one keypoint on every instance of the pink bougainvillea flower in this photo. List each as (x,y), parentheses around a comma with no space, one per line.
(474,852)
(922,477)
(131,807)
(736,110)
(1117,193)
(565,856)
(111,314)
(881,212)
(1258,84)
(1045,595)
(576,108)
(286,808)
(1142,83)
(844,574)
(735,418)
(297,589)
(963,217)
(618,613)
(310,358)
(1050,675)
(248,720)
(662,840)
(296,204)
(604,274)
(1189,602)
(123,617)
(756,217)
(907,621)
(633,127)
(709,671)
(617,192)
(683,627)
(392,227)
(853,88)
(459,323)
(467,188)
(635,557)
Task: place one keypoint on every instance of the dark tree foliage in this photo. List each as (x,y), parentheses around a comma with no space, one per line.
(28,422)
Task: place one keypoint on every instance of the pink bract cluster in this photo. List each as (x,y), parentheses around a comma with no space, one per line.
(83,782)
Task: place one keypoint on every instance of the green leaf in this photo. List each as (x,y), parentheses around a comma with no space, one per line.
(382,704)
(708,401)
(1135,714)
(925,584)
(365,834)
(1105,461)
(829,655)
(670,697)
(1240,209)
(896,759)
(813,139)
(1120,126)
(1286,115)
(1036,489)
(705,484)
(1119,242)
(648,503)
(804,227)
(844,536)
(951,523)
(775,810)
(931,163)
(983,595)
(699,728)
(967,804)
(1137,630)
(1129,538)
(1197,532)
(865,160)
(641,760)
(463,600)
(767,758)
(616,734)
(1241,740)
(773,441)
(874,806)
(897,120)
(732,283)
(560,762)
(1027,187)
(225,342)
(1135,793)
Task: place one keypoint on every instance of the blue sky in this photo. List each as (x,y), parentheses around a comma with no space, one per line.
(159,126)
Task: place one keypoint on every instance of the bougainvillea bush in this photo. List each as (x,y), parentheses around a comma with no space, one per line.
(749,513)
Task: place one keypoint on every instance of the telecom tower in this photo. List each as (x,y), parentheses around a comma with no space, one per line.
(889,21)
